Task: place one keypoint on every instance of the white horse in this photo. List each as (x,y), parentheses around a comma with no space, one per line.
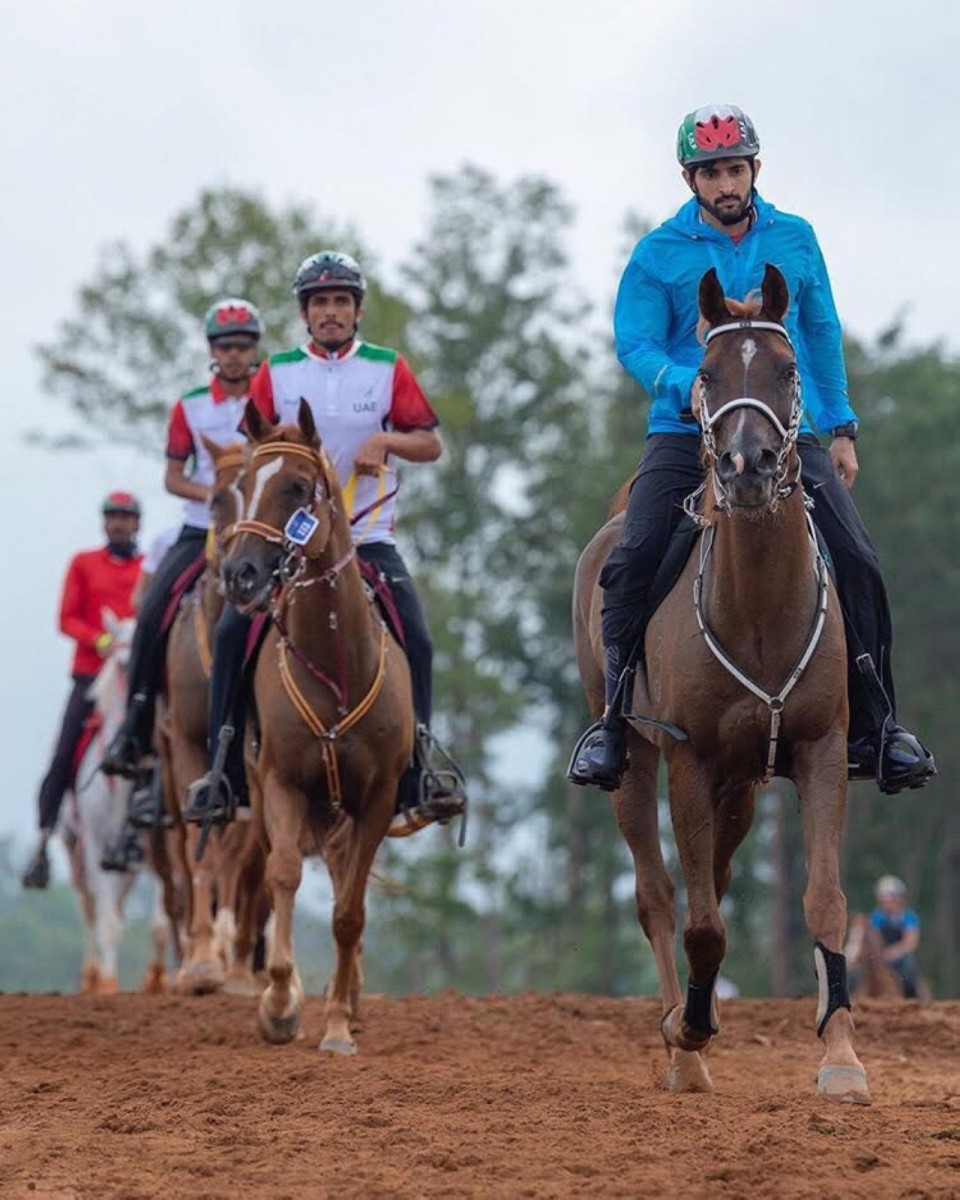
(94,820)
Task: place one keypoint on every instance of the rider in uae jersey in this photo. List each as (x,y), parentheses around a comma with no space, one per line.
(354,392)
(209,411)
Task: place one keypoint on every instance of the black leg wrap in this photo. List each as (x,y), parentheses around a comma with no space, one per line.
(832,978)
(700,1011)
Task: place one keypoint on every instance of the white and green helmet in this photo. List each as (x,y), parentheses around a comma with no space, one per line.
(326,270)
(716,131)
(231,317)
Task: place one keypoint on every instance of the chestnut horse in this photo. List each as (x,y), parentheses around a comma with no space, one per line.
(746,660)
(214,956)
(333,701)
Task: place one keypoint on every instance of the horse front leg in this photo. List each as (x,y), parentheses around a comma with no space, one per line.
(820,773)
(366,834)
(704,934)
(285,814)
(635,806)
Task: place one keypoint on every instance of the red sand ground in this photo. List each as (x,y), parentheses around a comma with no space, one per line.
(540,1096)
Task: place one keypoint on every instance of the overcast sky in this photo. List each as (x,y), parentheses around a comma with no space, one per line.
(116,115)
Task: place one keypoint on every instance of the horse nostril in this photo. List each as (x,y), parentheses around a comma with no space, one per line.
(766,462)
(725,466)
(241,578)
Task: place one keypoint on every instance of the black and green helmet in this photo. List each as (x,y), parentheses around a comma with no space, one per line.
(329,269)
(716,131)
(232,317)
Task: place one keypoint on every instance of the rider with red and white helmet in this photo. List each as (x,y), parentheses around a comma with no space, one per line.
(728,226)
(370,411)
(96,581)
(233,328)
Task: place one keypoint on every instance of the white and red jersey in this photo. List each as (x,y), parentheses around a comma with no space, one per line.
(358,391)
(209,411)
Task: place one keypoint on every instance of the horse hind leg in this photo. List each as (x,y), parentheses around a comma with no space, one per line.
(635,806)
(348,921)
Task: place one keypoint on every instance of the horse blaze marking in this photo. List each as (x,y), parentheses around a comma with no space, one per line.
(747,352)
(264,475)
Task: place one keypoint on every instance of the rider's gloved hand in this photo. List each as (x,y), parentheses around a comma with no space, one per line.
(103,643)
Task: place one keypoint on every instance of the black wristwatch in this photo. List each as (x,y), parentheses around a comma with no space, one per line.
(851,430)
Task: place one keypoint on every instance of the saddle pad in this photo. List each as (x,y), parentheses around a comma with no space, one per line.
(384,598)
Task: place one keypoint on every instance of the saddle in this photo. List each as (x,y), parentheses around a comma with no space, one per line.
(182,586)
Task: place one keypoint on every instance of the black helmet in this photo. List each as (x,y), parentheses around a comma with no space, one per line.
(716,131)
(329,269)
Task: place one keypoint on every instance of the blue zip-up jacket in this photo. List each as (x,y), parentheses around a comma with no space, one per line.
(655,319)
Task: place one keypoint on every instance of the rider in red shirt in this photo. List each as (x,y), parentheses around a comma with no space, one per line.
(95,580)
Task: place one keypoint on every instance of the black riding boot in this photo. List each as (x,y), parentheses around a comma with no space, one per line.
(892,756)
(600,756)
(221,795)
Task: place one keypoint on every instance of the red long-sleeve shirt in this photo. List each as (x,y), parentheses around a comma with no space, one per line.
(95,580)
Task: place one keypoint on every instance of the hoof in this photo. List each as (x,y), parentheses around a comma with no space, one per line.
(688,1073)
(155,982)
(241,984)
(677,1033)
(90,979)
(278,1030)
(339,1045)
(200,978)
(107,986)
(844,1084)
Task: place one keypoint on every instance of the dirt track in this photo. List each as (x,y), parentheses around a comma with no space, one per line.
(524,1096)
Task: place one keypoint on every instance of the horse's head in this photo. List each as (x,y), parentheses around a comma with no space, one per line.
(748,400)
(226,499)
(289,504)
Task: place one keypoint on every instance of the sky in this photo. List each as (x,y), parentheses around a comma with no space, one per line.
(116,115)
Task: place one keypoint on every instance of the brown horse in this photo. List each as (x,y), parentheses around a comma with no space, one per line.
(214,955)
(746,659)
(333,701)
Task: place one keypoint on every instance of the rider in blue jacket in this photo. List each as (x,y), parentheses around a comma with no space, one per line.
(728,226)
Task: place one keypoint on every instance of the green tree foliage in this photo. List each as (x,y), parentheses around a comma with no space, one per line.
(136,339)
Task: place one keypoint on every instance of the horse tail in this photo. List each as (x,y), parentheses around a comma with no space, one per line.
(619,502)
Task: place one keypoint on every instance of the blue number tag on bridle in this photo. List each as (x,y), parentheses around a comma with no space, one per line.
(300,527)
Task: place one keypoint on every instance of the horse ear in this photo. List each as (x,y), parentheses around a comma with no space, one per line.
(713,306)
(111,624)
(775,293)
(213,448)
(255,423)
(307,424)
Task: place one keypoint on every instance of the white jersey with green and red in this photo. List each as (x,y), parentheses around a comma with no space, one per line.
(353,393)
(210,412)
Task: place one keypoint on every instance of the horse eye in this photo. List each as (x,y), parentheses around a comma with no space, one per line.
(705,378)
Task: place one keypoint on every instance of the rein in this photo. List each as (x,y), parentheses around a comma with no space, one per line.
(781,490)
(293,567)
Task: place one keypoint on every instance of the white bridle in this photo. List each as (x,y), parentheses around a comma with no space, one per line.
(788,433)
